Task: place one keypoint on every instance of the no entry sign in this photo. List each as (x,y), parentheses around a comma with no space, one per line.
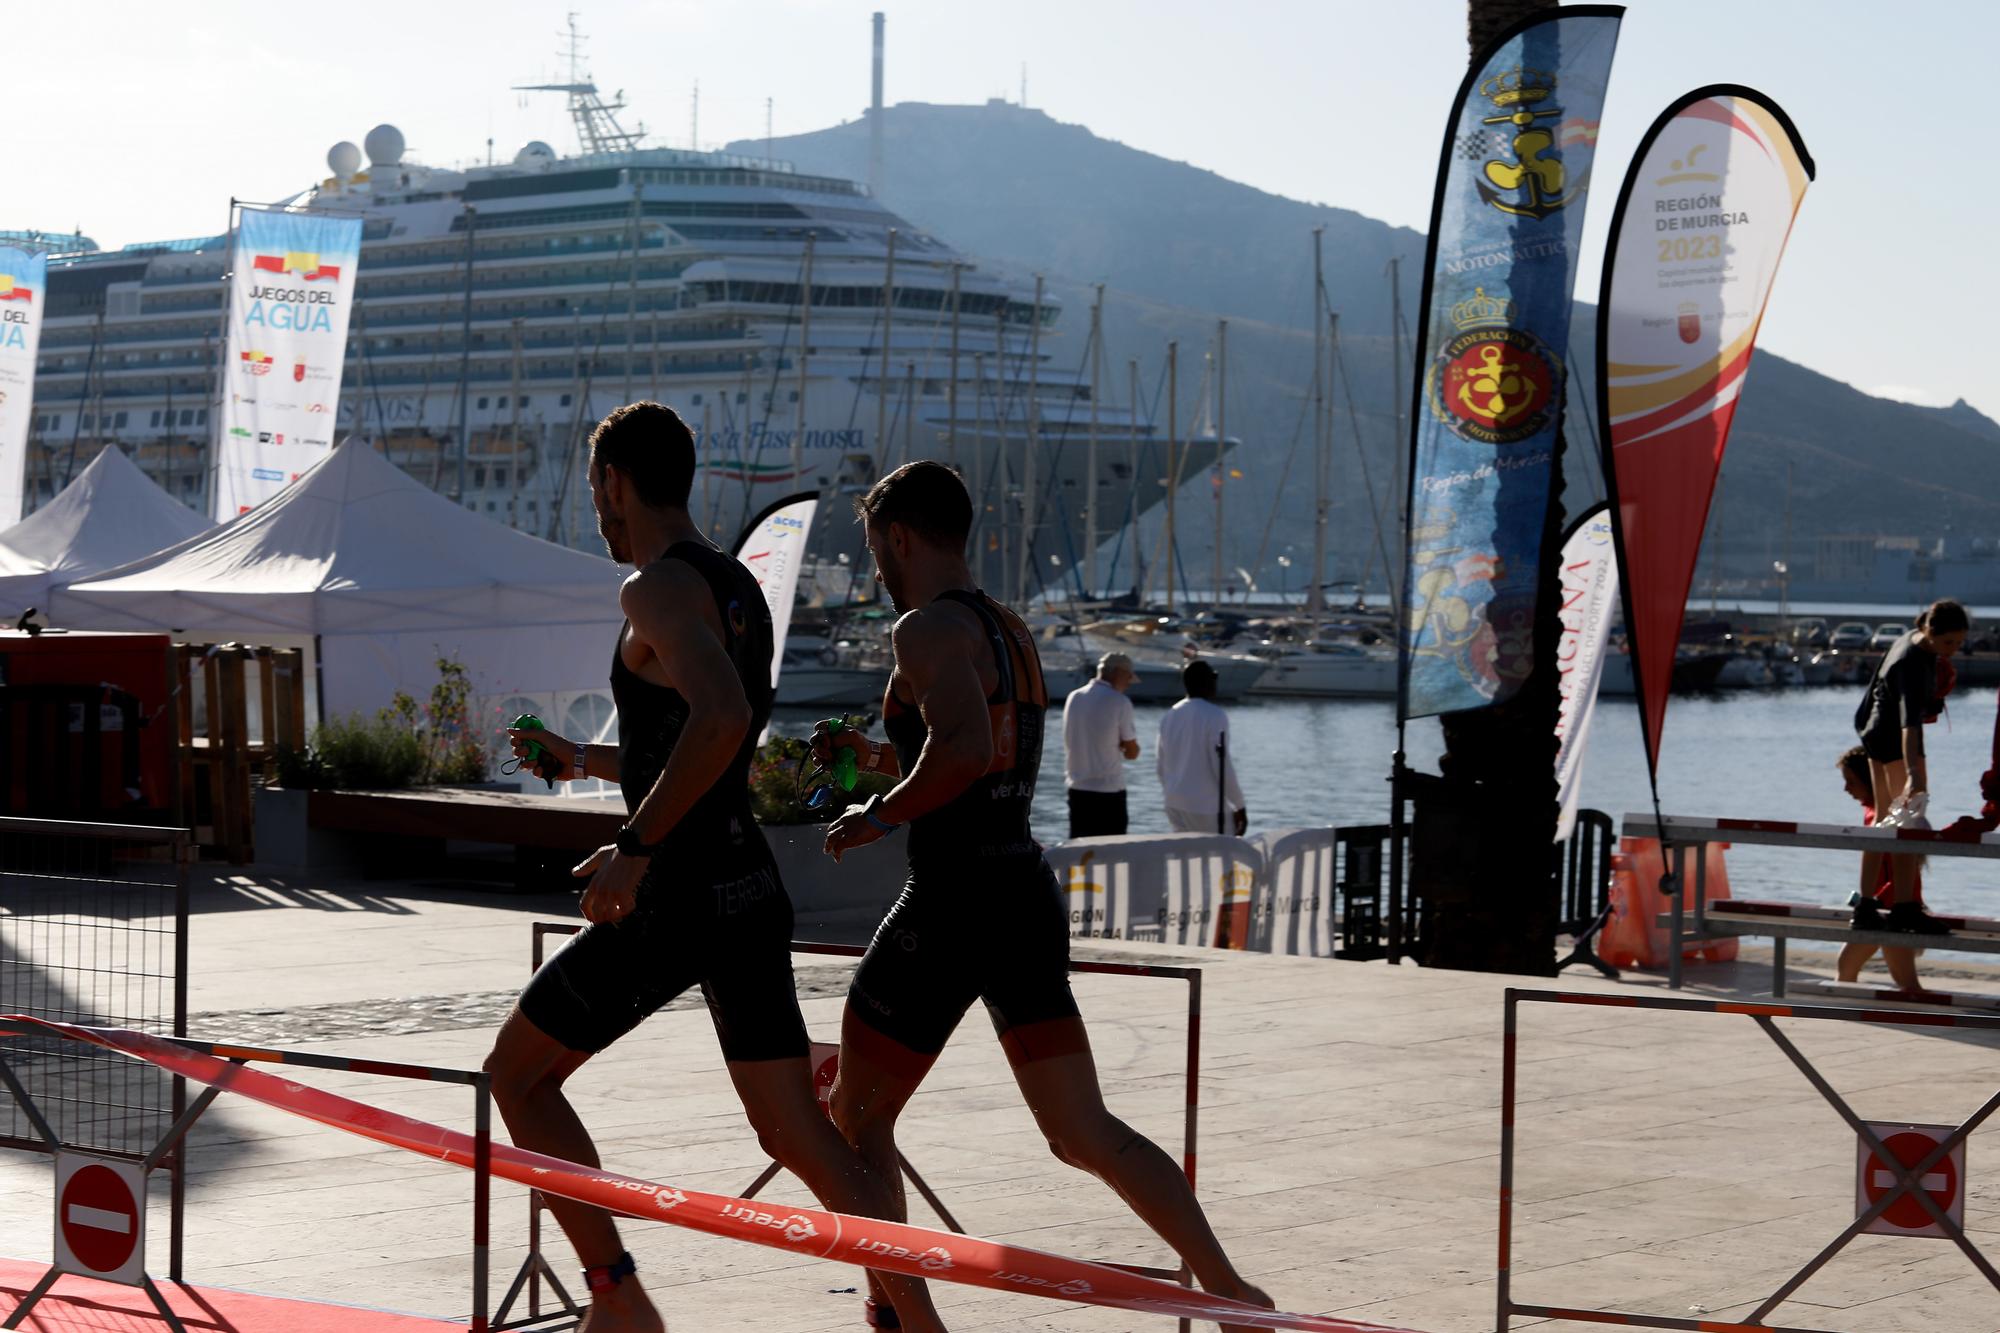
(101,1218)
(1944,1182)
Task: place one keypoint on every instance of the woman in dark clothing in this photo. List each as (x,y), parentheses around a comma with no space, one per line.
(1906,692)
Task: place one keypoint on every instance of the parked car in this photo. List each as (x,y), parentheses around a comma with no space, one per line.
(1886,636)
(1850,635)
(1809,633)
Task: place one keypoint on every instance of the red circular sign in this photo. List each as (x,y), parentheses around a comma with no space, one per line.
(99,1218)
(1940,1182)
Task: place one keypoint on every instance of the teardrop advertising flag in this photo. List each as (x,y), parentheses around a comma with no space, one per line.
(1513,179)
(290,291)
(1695,241)
(773,547)
(23,296)
(1589,595)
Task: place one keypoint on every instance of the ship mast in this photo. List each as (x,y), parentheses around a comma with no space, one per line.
(597,127)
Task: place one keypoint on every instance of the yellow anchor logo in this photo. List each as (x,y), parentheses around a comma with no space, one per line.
(1515,95)
(1496,390)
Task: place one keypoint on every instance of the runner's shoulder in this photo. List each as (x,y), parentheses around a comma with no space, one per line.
(937,630)
(667,589)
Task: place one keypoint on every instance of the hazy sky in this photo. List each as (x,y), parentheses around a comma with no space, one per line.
(137,120)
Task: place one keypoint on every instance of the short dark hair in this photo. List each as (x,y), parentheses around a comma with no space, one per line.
(1855,764)
(1944,617)
(652,448)
(926,497)
(1198,679)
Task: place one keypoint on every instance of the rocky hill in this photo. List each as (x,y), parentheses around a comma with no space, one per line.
(1180,247)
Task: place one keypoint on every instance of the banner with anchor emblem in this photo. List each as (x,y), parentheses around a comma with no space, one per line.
(1493,343)
(1695,242)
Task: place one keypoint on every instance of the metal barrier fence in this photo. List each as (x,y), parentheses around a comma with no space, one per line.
(535,1268)
(93,929)
(1910,1182)
(168,1146)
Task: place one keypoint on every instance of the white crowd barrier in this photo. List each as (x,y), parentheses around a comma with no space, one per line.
(1274,889)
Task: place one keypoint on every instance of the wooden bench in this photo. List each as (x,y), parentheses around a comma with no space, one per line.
(520,819)
(1780,922)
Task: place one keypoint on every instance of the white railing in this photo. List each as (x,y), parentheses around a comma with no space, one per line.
(1276,889)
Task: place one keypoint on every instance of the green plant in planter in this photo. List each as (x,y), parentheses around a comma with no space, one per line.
(774,783)
(403,745)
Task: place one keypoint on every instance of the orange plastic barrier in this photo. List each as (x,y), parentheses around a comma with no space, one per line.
(1634,936)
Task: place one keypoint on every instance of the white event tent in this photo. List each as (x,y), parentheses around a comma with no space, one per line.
(382,576)
(110,515)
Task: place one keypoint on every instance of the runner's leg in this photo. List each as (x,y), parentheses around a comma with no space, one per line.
(1058,1078)
(800,1136)
(529,1068)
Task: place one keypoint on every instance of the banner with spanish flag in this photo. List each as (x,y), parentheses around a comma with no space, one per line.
(23,297)
(1700,226)
(291,290)
(1514,178)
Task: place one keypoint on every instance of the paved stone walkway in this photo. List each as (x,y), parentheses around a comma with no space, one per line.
(1669,1164)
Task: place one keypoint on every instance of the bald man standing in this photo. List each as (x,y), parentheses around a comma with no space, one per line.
(1099,738)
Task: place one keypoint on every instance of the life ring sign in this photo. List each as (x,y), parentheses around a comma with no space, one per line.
(101,1218)
(1944,1182)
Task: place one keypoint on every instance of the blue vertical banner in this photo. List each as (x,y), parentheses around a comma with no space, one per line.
(24,292)
(1513,180)
(291,289)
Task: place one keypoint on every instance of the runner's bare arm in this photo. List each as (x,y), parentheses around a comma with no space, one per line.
(1918,779)
(672,612)
(933,659)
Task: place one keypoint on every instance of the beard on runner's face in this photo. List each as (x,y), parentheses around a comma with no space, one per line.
(611,527)
(888,572)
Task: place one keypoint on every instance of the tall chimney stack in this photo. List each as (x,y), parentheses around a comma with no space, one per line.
(875,117)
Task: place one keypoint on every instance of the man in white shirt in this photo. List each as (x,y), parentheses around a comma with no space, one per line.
(1196,769)
(1099,736)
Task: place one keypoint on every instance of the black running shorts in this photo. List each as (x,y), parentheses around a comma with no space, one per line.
(728,932)
(994,930)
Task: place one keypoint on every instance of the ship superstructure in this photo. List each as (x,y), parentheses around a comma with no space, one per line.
(502,309)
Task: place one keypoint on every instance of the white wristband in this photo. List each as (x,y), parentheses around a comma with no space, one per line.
(577,769)
(874,757)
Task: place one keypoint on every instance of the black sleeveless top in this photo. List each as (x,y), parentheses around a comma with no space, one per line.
(719,826)
(989,819)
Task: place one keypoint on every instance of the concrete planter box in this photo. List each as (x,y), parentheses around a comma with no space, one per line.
(286,841)
(859,889)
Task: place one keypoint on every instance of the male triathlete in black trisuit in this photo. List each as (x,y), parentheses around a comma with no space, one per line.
(688,895)
(981,916)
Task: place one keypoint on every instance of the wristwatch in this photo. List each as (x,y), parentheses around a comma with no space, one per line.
(629,843)
(868,810)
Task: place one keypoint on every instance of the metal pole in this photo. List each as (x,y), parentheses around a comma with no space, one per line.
(909,408)
(1132,481)
(1173,468)
(482,1192)
(1503,1285)
(882,377)
(980,472)
(1314,597)
(951,389)
(1090,588)
(805,347)
(1028,497)
(632,291)
(1221,443)
(465,358)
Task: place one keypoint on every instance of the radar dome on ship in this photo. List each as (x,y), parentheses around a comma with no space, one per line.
(385,145)
(535,153)
(343,159)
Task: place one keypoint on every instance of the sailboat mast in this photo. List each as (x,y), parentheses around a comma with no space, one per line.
(1314,594)
(1029,499)
(951,389)
(1090,467)
(465,359)
(1132,479)
(805,349)
(882,375)
(1173,465)
(1221,443)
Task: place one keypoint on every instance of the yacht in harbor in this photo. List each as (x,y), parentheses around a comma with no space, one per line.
(812,338)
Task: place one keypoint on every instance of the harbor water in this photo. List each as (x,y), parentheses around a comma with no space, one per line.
(1749,754)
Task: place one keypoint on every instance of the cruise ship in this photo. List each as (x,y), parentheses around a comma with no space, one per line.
(812,337)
